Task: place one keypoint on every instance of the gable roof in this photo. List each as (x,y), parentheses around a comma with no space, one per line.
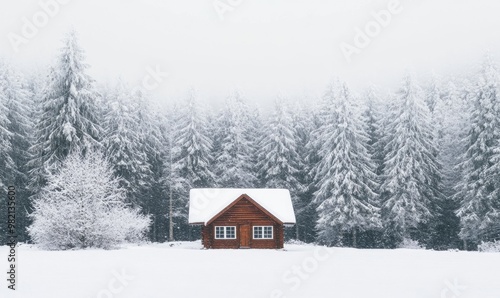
(207,203)
(247,197)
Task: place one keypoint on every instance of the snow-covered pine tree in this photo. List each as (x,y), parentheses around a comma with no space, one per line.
(449,122)
(433,93)
(192,147)
(123,142)
(36,83)
(155,145)
(374,117)
(14,91)
(319,116)
(479,210)
(303,124)
(278,160)
(136,149)
(233,164)
(411,174)
(191,158)
(69,113)
(158,157)
(7,165)
(322,114)
(256,129)
(82,205)
(345,174)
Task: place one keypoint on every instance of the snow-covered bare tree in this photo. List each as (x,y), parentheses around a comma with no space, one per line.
(69,113)
(82,205)
(345,174)
(411,174)
(479,190)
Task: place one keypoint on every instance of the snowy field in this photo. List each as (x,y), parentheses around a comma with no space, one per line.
(186,270)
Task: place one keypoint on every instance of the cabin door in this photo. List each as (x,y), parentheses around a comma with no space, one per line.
(245,236)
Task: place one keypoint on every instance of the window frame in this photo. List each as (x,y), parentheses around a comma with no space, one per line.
(262,228)
(225,228)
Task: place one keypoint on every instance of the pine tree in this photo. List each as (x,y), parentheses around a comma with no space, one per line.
(478,191)
(69,113)
(303,125)
(256,130)
(83,206)
(155,145)
(278,160)
(411,173)
(344,175)
(123,142)
(449,126)
(36,84)
(233,164)
(321,114)
(191,158)
(279,164)
(7,165)
(374,116)
(18,103)
(433,93)
(158,156)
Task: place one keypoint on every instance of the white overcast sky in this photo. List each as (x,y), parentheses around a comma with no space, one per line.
(263,48)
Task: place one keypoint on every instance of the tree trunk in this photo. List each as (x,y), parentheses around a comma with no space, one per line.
(297,231)
(354,238)
(170,220)
(170,208)
(465,244)
(155,231)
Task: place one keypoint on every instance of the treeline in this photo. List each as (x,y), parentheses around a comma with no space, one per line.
(421,164)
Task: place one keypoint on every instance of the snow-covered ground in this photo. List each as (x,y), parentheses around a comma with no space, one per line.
(186,270)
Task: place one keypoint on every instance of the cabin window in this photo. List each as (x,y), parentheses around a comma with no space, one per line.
(263,232)
(225,232)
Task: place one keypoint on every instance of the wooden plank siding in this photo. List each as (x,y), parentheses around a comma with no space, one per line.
(244,212)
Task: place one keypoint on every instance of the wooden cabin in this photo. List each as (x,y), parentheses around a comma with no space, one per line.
(241,218)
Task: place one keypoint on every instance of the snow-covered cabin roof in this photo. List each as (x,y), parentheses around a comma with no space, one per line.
(205,203)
